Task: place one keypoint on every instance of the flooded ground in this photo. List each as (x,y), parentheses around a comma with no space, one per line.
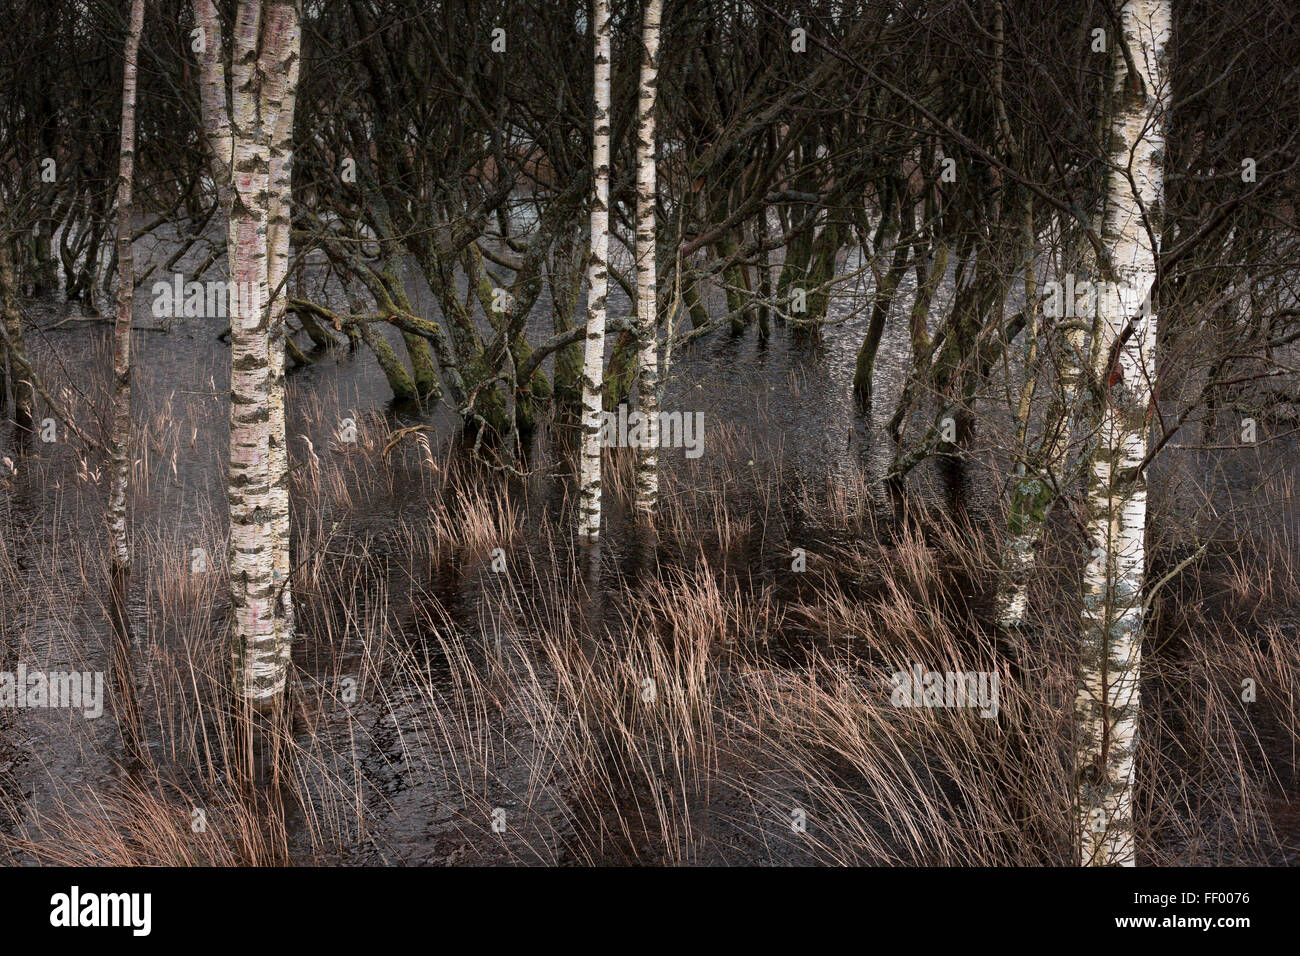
(436,713)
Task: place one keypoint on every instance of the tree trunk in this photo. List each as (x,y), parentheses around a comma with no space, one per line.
(120,444)
(864,372)
(19,382)
(1035,488)
(1106,708)
(597,283)
(264,53)
(213,100)
(565,278)
(647,474)
(277,241)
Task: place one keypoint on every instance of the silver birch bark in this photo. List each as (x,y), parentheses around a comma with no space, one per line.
(264,50)
(120,442)
(278,244)
(589,483)
(647,474)
(213,101)
(1106,707)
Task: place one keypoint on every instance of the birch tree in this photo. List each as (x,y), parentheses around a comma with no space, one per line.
(120,443)
(1106,707)
(589,477)
(249,137)
(280,220)
(214,101)
(647,473)
(1040,476)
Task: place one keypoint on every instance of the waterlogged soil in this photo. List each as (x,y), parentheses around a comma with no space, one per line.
(792,397)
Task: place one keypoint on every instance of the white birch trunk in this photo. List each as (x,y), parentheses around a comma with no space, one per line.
(213,101)
(120,442)
(1106,708)
(278,246)
(647,474)
(264,51)
(589,483)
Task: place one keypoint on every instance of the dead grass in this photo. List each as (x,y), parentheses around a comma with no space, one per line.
(712,706)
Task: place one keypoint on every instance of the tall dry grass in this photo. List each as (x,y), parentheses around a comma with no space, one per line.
(681,699)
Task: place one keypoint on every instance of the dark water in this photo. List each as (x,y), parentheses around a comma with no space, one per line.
(780,400)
